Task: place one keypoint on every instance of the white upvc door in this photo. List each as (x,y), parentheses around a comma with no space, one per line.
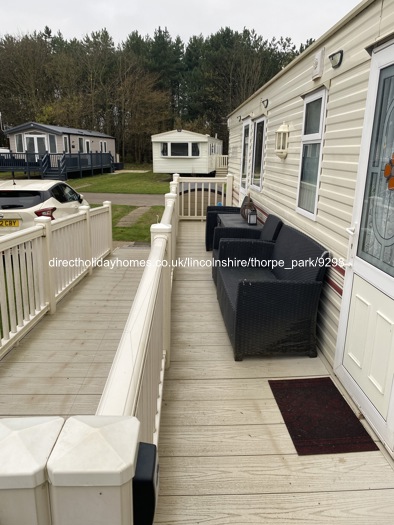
(36,146)
(365,349)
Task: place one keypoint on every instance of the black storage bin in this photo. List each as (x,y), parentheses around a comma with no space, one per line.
(145,484)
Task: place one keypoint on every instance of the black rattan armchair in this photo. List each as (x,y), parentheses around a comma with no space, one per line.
(212,221)
(269,232)
(270,305)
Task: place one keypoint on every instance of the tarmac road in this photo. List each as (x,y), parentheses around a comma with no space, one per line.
(125,199)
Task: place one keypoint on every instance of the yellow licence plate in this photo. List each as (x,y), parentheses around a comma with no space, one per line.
(9,223)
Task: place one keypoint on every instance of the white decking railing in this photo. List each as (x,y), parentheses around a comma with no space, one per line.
(83,469)
(196,193)
(40,264)
(221,162)
(135,381)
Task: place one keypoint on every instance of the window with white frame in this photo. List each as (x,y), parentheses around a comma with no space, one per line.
(312,140)
(65,144)
(80,144)
(258,153)
(19,143)
(180,149)
(52,144)
(245,154)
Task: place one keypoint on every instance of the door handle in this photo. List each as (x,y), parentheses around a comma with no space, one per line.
(352,230)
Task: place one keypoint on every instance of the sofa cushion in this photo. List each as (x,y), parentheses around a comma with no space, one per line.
(300,256)
(272,227)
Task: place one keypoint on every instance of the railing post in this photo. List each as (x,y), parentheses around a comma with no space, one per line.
(229,190)
(89,249)
(91,471)
(171,200)
(164,231)
(109,205)
(49,272)
(25,445)
(174,183)
(174,188)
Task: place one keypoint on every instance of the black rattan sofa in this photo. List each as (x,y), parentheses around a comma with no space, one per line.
(269,305)
(269,232)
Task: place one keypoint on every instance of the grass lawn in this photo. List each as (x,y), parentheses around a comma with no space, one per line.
(141,183)
(127,182)
(140,231)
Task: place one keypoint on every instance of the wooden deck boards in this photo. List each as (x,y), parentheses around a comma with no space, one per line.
(60,367)
(225,454)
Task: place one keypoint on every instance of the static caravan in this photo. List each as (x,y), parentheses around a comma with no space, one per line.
(315,146)
(57,151)
(186,153)
(34,137)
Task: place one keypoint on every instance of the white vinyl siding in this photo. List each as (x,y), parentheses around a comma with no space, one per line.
(345,109)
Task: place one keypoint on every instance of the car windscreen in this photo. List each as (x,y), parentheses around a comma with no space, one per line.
(19,199)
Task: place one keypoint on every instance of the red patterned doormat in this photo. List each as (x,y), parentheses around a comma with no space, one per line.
(318,418)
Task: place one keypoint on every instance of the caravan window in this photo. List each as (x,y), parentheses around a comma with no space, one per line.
(312,139)
(65,144)
(258,153)
(245,155)
(180,149)
(52,144)
(19,143)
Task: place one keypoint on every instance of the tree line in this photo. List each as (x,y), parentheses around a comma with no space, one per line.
(143,86)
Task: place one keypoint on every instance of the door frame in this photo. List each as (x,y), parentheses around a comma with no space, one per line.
(381,58)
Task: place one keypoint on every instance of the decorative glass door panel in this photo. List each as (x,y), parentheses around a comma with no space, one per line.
(376,245)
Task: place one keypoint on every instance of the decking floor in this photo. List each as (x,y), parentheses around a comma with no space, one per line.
(60,367)
(225,454)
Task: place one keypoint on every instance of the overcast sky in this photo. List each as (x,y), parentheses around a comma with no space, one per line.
(298,20)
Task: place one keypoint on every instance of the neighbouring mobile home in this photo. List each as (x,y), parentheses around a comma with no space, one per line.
(187,153)
(315,146)
(57,151)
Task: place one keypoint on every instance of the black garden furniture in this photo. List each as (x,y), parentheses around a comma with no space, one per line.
(269,304)
(212,221)
(269,231)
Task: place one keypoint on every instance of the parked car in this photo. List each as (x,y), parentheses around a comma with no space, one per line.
(21,201)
